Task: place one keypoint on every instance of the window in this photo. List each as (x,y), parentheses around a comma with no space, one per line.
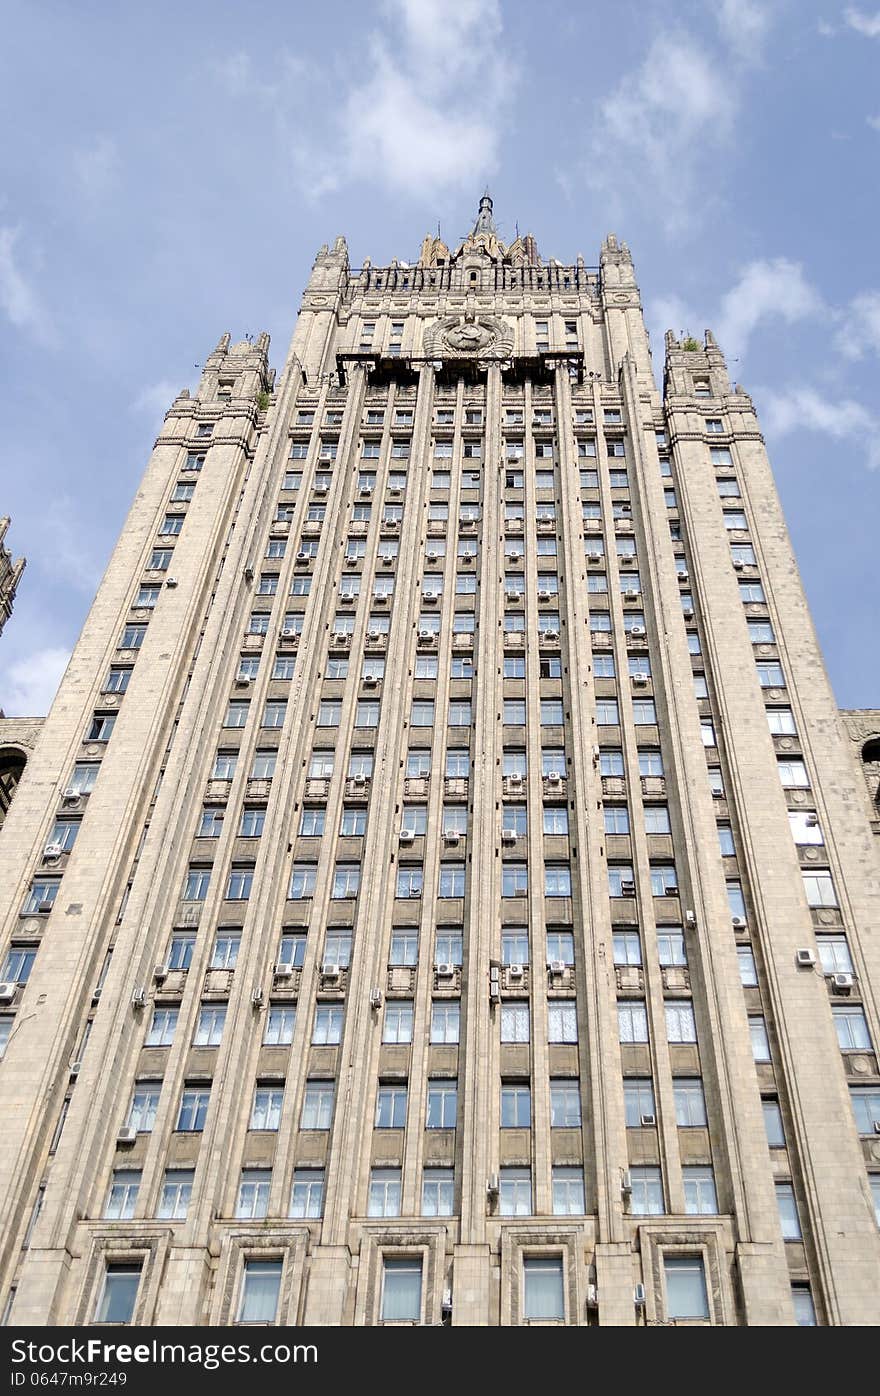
(225,763)
(621,881)
(42,895)
(6,1022)
(209,1029)
(162,1025)
(280,1024)
(834,954)
(263,767)
(18,964)
(451,883)
(515,1022)
(307,1194)
(819,888)
(725,841)
(568,1192)
(515,1197)
(346,880)
(515,947)
(311,821)
(556,822)
(644,712)
(238,886)
(118,1294)
(543,1287)
(422,713)
(866,1107)
(680,1023)
(438,1192)
(160,560)
(284,666)
(253,1192)
(442,1105)
(176,1193)
(516,1106)
(236,714)
(557,880)
(292,951)
(367,714)
(761,632)
(736,901)
(445,1021)
(650,762)
(638,1100)
(852,1029)
(253,817)
(398,1024)
(266,1109)
(565,1103)
(260,1288)
(607,714)
(627,948)
(773,1124)
(657,819)
(147,596)
(317,1107)
(748,973)
(123,1193)
(117,681)
(804,1308)
(788,1212)
(327,1029)
(760,1040)
(699,1192)
(632,1020)
(193,1109)
(610,762)
(226,948)
(686,1293)
(647,1192)
(459,713)
(770,674)
(101,728)
(384,1198)
(663,881)
(401,1289)
(707,732)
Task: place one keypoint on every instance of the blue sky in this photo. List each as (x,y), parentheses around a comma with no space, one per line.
(168,172)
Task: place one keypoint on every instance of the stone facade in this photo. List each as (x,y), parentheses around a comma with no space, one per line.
(10,575)
(449,896)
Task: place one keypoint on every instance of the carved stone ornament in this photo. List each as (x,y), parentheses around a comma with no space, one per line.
(466,335)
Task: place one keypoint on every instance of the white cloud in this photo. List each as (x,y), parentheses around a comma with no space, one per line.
(429,116)
(869,25)
(63,546)
(766,290)
(806,409)
(826,30)
(859,331)
(156,398)
(744,25)
(18,300)
(32,682)
(96,169)
(656,127)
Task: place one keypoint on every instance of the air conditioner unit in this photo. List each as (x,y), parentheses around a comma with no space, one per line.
(508,835)
(648,1120)
(592,1295)
(329,971)
(407,835)
(544,596)
(431,595)
(452,837)
(515,971)
(492,1186)
(371,681)
(684,576)
(8,991)
(640,1296)
(639,680)
(139,998)
(637,630)
(596,754)
(594,557)
(288,632)
(446,1304)
(842,983)
(96,994)
(127,1135)
(630,594)
(556,966)
(249,574)
(514,557)
(75,1068)
(877,1126)
(670,891)
(284,971)
(347,598)
(322,489)
(738,922)
(550,634)
(375,998)
(160,972)
(374,635)
(365,491)
(171,581)
(738,564)
(359,778)
(805,958)
(812,821)
(554,778)
(242,681)
(380,598)
(445,970)
(45,907)
(432,556)
(690,919)
(513,596)
(426,634)
(256,998)
(70,793)
(627,889)
(53,850)
(626,1186)
(688,613)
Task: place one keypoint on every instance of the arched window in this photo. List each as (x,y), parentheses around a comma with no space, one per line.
(12,764)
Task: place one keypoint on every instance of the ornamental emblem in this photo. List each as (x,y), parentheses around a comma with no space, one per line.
(465,335)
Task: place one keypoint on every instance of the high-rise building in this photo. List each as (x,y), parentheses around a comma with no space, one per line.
(10,575)
(441,889)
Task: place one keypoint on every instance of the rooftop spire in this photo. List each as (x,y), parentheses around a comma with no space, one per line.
(485,222)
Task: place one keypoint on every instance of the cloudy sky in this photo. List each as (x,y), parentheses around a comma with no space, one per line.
(168,171)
